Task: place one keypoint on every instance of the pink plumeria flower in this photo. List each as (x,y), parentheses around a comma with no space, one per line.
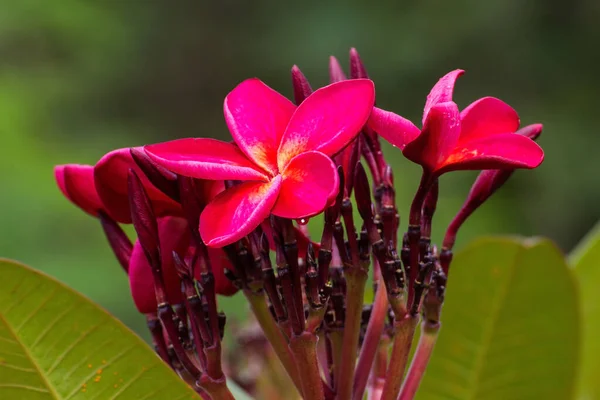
(110,178)
(482,136)
(282,153)
(103,187)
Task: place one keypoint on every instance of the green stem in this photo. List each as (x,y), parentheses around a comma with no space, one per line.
(356,278)
(403,337)
(273,335)
(304,350)
(429,334)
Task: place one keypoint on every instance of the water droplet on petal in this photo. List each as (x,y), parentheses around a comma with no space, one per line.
(302,221)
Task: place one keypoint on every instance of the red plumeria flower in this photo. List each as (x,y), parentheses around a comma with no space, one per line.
(78,184)
(174,235)
(281,152)
(482,136)
(103,187)
(110,178)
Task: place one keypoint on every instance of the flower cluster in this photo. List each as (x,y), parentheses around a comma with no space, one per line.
(209,214)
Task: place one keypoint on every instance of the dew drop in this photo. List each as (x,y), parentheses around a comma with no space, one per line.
(302,221)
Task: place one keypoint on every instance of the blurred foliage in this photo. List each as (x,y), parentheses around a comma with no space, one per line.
(79,78)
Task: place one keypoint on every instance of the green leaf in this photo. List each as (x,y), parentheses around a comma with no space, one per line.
(56,344)
(585,259)
(510,325)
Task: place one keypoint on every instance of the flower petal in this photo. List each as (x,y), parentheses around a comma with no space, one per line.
(485,117)
(438,138)
(237,211)
(395,129)
(327,120)
(310,181)
(442,91)
(257,116)
(110,177)
(503,151)
(76,182)
(174,236)
(205,159)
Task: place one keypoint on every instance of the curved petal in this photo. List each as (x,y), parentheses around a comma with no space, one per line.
(310,181)
(327,120)
(503,151)
(257,116)
(485,117)
(395,129)
(438,138)
(219,262)
(76,182)
(237,211)
(110,178)
(205,159)
(174,236)
(442,91)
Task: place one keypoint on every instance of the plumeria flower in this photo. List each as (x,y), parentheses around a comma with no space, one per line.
(83,186)
(482,136)
(103,187)
(282,155)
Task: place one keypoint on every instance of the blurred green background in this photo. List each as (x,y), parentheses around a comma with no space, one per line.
(79,78)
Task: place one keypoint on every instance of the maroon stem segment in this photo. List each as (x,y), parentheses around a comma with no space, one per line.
(419,363)
(372,337)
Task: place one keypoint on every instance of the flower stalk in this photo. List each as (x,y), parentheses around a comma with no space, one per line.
(404,330)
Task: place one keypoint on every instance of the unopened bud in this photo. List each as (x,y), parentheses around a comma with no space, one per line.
(117,239)
(161,178)
(357,68)
(143,220)
(336,73)
(301,85)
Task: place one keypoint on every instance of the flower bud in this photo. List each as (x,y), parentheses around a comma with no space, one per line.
(301,85)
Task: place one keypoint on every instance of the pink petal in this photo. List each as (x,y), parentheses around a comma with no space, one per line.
(237,211)
(257,116)
(110,178)
(205,159)
(219,262)
(441,91)
(310,181)
(503,151)
(328,119)
(76,182)
(439,136)
(174,236)
(395,129)
(485,117)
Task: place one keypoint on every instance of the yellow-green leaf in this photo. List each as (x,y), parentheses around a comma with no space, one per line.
(510,325)
(56,344)
(585,260)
